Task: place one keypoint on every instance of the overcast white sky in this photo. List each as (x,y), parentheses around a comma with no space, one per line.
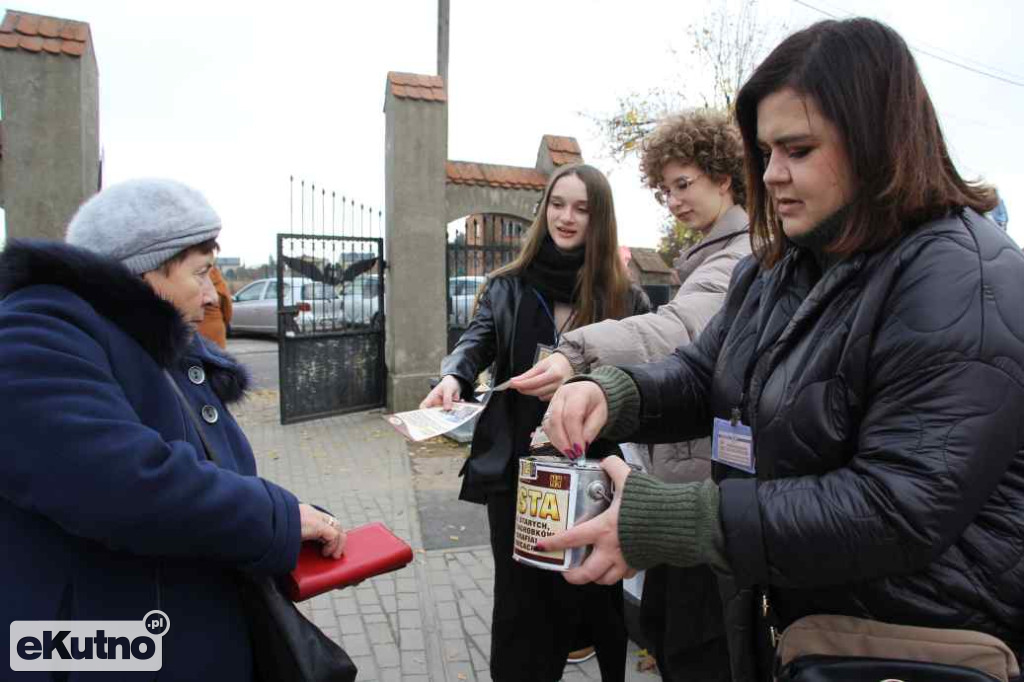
(233,100)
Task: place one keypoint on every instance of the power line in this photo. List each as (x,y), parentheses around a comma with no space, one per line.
(947,60)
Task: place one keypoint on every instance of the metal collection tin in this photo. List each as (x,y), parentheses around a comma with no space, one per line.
(554,495)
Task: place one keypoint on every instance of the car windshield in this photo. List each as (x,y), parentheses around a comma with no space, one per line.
(317,291)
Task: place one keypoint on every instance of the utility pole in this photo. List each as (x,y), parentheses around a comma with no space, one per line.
(442,40)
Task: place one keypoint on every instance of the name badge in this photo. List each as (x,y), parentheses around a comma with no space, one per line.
(543,352)
(733,445)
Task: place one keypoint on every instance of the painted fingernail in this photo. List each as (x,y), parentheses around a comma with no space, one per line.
(569,453)
(577,449)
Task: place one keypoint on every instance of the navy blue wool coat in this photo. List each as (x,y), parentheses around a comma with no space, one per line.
(108,505)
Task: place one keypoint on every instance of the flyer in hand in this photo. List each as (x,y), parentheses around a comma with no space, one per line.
(433,421)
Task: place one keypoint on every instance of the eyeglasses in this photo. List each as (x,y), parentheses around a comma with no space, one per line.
(680,186)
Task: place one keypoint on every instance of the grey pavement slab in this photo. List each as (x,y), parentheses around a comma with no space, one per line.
(429,621)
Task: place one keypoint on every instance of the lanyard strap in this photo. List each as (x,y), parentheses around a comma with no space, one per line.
(554,325)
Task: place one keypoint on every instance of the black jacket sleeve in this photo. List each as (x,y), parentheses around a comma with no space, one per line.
(477,346)
(675,392)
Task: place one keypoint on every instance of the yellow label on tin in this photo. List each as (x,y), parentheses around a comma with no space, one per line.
(543,508)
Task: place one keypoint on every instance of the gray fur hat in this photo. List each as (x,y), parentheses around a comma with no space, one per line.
(143,223)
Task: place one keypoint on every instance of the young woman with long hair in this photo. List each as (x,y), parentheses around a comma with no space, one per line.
(694,163)
(568,274)
(865,379)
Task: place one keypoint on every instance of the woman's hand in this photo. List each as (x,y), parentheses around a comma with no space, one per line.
(544,378)
(605,565)
(576,415)
(324,528)
(446,392)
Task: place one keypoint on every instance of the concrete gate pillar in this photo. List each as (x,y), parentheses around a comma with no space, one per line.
(50,157)
(416,148)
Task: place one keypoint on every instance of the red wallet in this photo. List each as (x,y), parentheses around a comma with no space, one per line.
(369,550)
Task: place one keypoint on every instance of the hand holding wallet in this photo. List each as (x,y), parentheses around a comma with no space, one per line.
(369,550)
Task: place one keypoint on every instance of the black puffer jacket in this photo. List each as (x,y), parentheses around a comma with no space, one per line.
(488,339)
(886,399)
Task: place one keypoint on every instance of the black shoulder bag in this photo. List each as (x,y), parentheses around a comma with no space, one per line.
(286,646)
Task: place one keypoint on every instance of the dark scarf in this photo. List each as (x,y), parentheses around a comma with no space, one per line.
(818,239)
(554,273)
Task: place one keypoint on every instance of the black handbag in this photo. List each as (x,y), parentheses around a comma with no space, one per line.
(830,648)
(286,645)
(850,669)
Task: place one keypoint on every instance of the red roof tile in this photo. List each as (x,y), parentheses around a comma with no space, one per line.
(73,48)
(492,175)
(36,33)
(31,43)
(75,31)
(416,86)
(561,150)
(29,24)
(562,144)
(49,27)
(563,159)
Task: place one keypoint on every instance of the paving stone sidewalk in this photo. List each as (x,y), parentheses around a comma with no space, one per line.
(429,621)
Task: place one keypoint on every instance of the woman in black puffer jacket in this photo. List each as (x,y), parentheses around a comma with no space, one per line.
(874,351)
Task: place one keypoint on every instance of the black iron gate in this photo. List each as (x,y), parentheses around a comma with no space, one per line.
(481,245)
(330,301)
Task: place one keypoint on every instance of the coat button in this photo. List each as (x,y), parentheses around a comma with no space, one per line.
(210,414)
(196,375)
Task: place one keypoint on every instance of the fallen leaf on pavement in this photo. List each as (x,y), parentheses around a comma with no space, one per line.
(647,663)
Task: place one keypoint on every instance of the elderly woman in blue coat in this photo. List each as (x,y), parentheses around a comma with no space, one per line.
(109,505)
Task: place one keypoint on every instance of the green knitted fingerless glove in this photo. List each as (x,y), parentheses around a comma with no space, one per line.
(670,523)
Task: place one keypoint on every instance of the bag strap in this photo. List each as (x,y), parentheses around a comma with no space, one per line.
(185,405)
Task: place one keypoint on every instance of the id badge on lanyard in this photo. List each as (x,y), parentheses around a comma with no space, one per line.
(732,444)
(544,350)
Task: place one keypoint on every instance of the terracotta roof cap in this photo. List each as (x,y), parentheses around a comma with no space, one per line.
(416,86)
(37,33)
(492,175)
(557,143)
(562,150)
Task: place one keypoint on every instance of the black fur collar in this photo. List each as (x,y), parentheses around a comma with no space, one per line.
(121,297)
(229,378)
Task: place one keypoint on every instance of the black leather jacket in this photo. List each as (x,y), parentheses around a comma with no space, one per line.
(886,399)
(489,339)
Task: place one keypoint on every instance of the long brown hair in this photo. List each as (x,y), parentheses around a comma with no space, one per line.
(865,81)
(602,287)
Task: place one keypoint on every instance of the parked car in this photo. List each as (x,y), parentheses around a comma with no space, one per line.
(360,302)
(462,293)
(255,306)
